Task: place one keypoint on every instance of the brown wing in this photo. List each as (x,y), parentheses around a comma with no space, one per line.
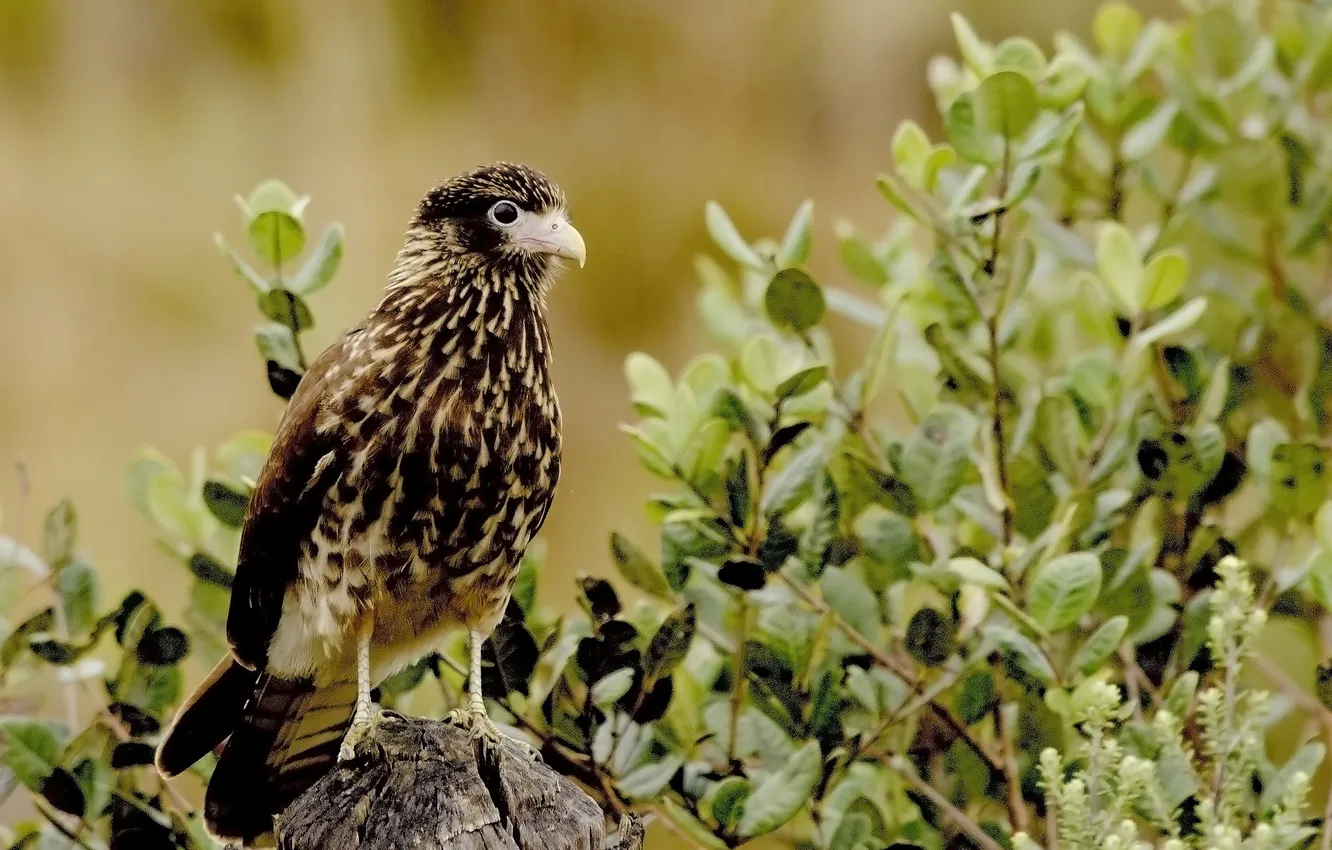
(282,515)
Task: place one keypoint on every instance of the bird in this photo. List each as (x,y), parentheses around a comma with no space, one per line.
(414,463)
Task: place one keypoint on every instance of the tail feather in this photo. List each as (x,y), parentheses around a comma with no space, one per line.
(207,717)
(280,737)
(287,739)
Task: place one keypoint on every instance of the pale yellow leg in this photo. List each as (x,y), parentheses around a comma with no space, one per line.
(473,716)
(362,716)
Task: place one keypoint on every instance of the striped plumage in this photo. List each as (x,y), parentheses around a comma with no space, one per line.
(413,465)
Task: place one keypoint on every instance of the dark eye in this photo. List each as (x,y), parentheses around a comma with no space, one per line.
(504,213)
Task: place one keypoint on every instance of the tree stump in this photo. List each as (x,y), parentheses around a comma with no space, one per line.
(420,784)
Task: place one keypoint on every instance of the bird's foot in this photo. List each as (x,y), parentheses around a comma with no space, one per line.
(362,727)
(485,730)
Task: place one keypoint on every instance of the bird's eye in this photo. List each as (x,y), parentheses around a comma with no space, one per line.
(504,213)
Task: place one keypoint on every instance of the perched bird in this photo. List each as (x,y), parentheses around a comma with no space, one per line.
(413,465)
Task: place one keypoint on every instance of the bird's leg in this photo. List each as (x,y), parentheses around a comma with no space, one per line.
(362,716)
(473,716)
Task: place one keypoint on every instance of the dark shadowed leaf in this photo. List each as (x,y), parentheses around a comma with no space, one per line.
(742,573)
(131,754)
(62,791)
(163,646)
(207,568)
(930,637)
(509,656)
(670,643)
(599,598)
(225,502)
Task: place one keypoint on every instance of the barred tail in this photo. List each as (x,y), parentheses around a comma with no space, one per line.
(280,737)
(287,739)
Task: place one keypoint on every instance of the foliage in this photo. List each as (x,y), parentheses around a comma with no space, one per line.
(939,557)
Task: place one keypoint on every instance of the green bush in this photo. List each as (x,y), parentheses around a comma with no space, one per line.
(979,586)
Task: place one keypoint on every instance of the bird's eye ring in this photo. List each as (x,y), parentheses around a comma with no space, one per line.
(504,213)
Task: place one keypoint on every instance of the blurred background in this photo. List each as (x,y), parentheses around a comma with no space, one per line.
(127,125)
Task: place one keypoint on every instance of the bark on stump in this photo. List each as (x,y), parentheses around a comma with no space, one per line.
(419,784)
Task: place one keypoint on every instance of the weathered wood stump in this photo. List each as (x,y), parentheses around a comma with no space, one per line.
(419,784)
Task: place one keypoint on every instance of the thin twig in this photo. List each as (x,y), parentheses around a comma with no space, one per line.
(1017,809)
(905,769)
(894,666)
(738,686)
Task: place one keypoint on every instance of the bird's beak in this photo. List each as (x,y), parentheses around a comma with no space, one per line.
(552,234)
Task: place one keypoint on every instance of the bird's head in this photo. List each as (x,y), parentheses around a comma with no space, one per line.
(501,215)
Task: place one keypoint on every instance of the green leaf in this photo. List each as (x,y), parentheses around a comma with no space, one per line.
(1063,589)
(793,300)
(637,568)
(890,544)
(1148,134)
(1299,480)
(77,584)
(726,800)
(277,344)
(61,531)
(974,51)
(975,697)
(1164,278)
(1307,759)
(1026,655)
(1095,378)
(777,799)
(1101,645)
(1116,29)
(277,237)
(286,308)
(793,483)
(966,135)
(972,571)
(244,269)
(728,239)
(1006,104)
(937,457)
(1120,266)
(794,249)
(1022,55)
(670,644)
(31,750)
(819,533)
(857,256)
(853,601)
(612,686)
(225,502)
(323,263)
(647,781)
(1176,323)
(802,382)
(690,825)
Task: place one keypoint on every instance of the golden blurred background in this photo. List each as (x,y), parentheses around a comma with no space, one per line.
(127,125)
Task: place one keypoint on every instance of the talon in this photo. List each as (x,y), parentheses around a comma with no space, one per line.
(360,730)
